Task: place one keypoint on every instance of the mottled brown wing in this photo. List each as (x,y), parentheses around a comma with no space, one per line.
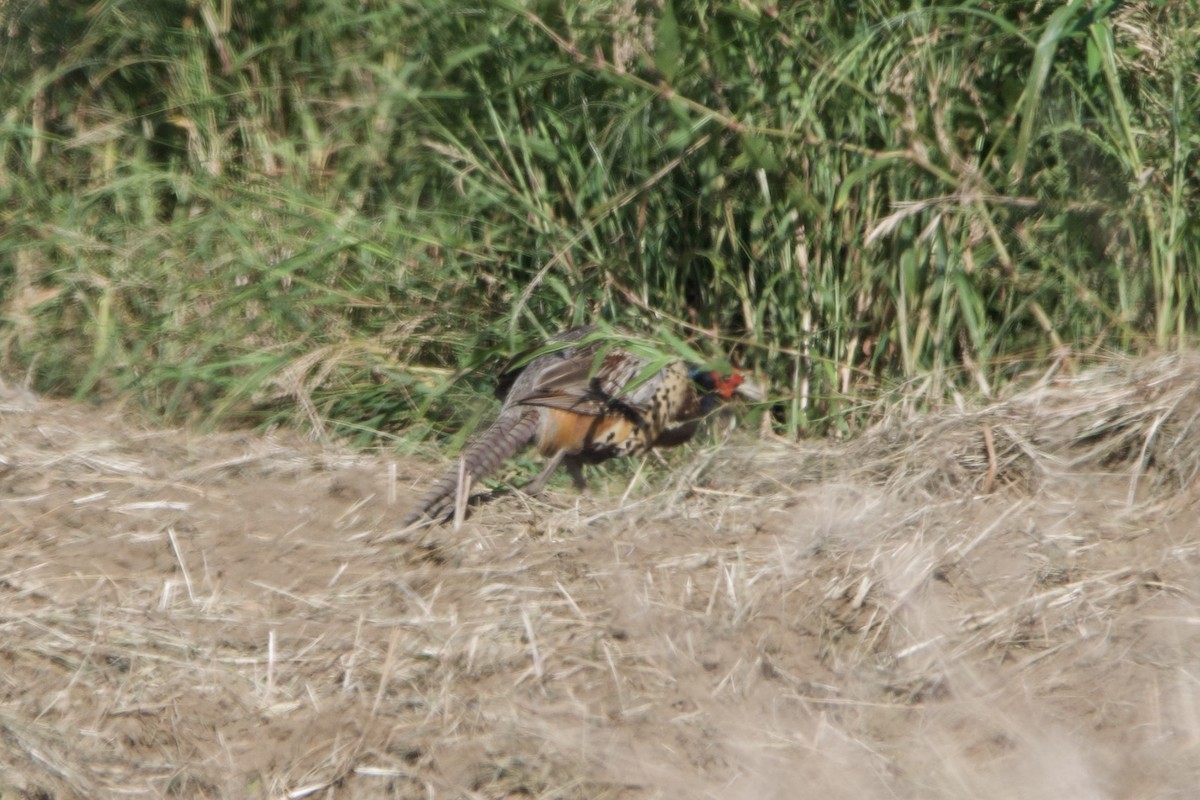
(570,384)
(520,364)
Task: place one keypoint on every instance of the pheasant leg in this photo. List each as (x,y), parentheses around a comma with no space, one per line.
(536,485)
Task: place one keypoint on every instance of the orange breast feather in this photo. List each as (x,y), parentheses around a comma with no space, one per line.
(575,433)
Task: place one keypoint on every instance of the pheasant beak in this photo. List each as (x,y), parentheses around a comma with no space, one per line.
(726,386)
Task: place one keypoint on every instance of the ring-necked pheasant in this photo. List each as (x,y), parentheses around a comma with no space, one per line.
(577,407)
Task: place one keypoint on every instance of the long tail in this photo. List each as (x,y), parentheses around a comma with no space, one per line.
(499,442)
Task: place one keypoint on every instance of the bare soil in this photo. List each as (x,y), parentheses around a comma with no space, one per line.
(997,602)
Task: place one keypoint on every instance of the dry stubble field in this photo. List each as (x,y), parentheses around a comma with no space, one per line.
(998,602)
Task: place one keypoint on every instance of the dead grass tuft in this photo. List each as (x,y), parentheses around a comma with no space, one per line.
(986,602)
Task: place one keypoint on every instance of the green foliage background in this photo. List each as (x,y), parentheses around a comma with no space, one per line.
(340,210)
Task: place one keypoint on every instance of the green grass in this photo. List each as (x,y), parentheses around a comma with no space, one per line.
(345,211)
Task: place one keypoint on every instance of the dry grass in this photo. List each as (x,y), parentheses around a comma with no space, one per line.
(990,603)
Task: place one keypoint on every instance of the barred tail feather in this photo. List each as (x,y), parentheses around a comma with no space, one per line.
(499,442)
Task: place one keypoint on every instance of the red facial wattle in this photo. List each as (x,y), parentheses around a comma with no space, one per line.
(725,386)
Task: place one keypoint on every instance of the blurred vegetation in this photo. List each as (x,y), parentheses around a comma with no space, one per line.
(338,212)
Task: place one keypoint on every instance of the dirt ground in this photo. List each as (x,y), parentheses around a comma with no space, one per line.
(998,602)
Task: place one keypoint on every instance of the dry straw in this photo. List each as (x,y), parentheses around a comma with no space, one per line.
(987,602)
